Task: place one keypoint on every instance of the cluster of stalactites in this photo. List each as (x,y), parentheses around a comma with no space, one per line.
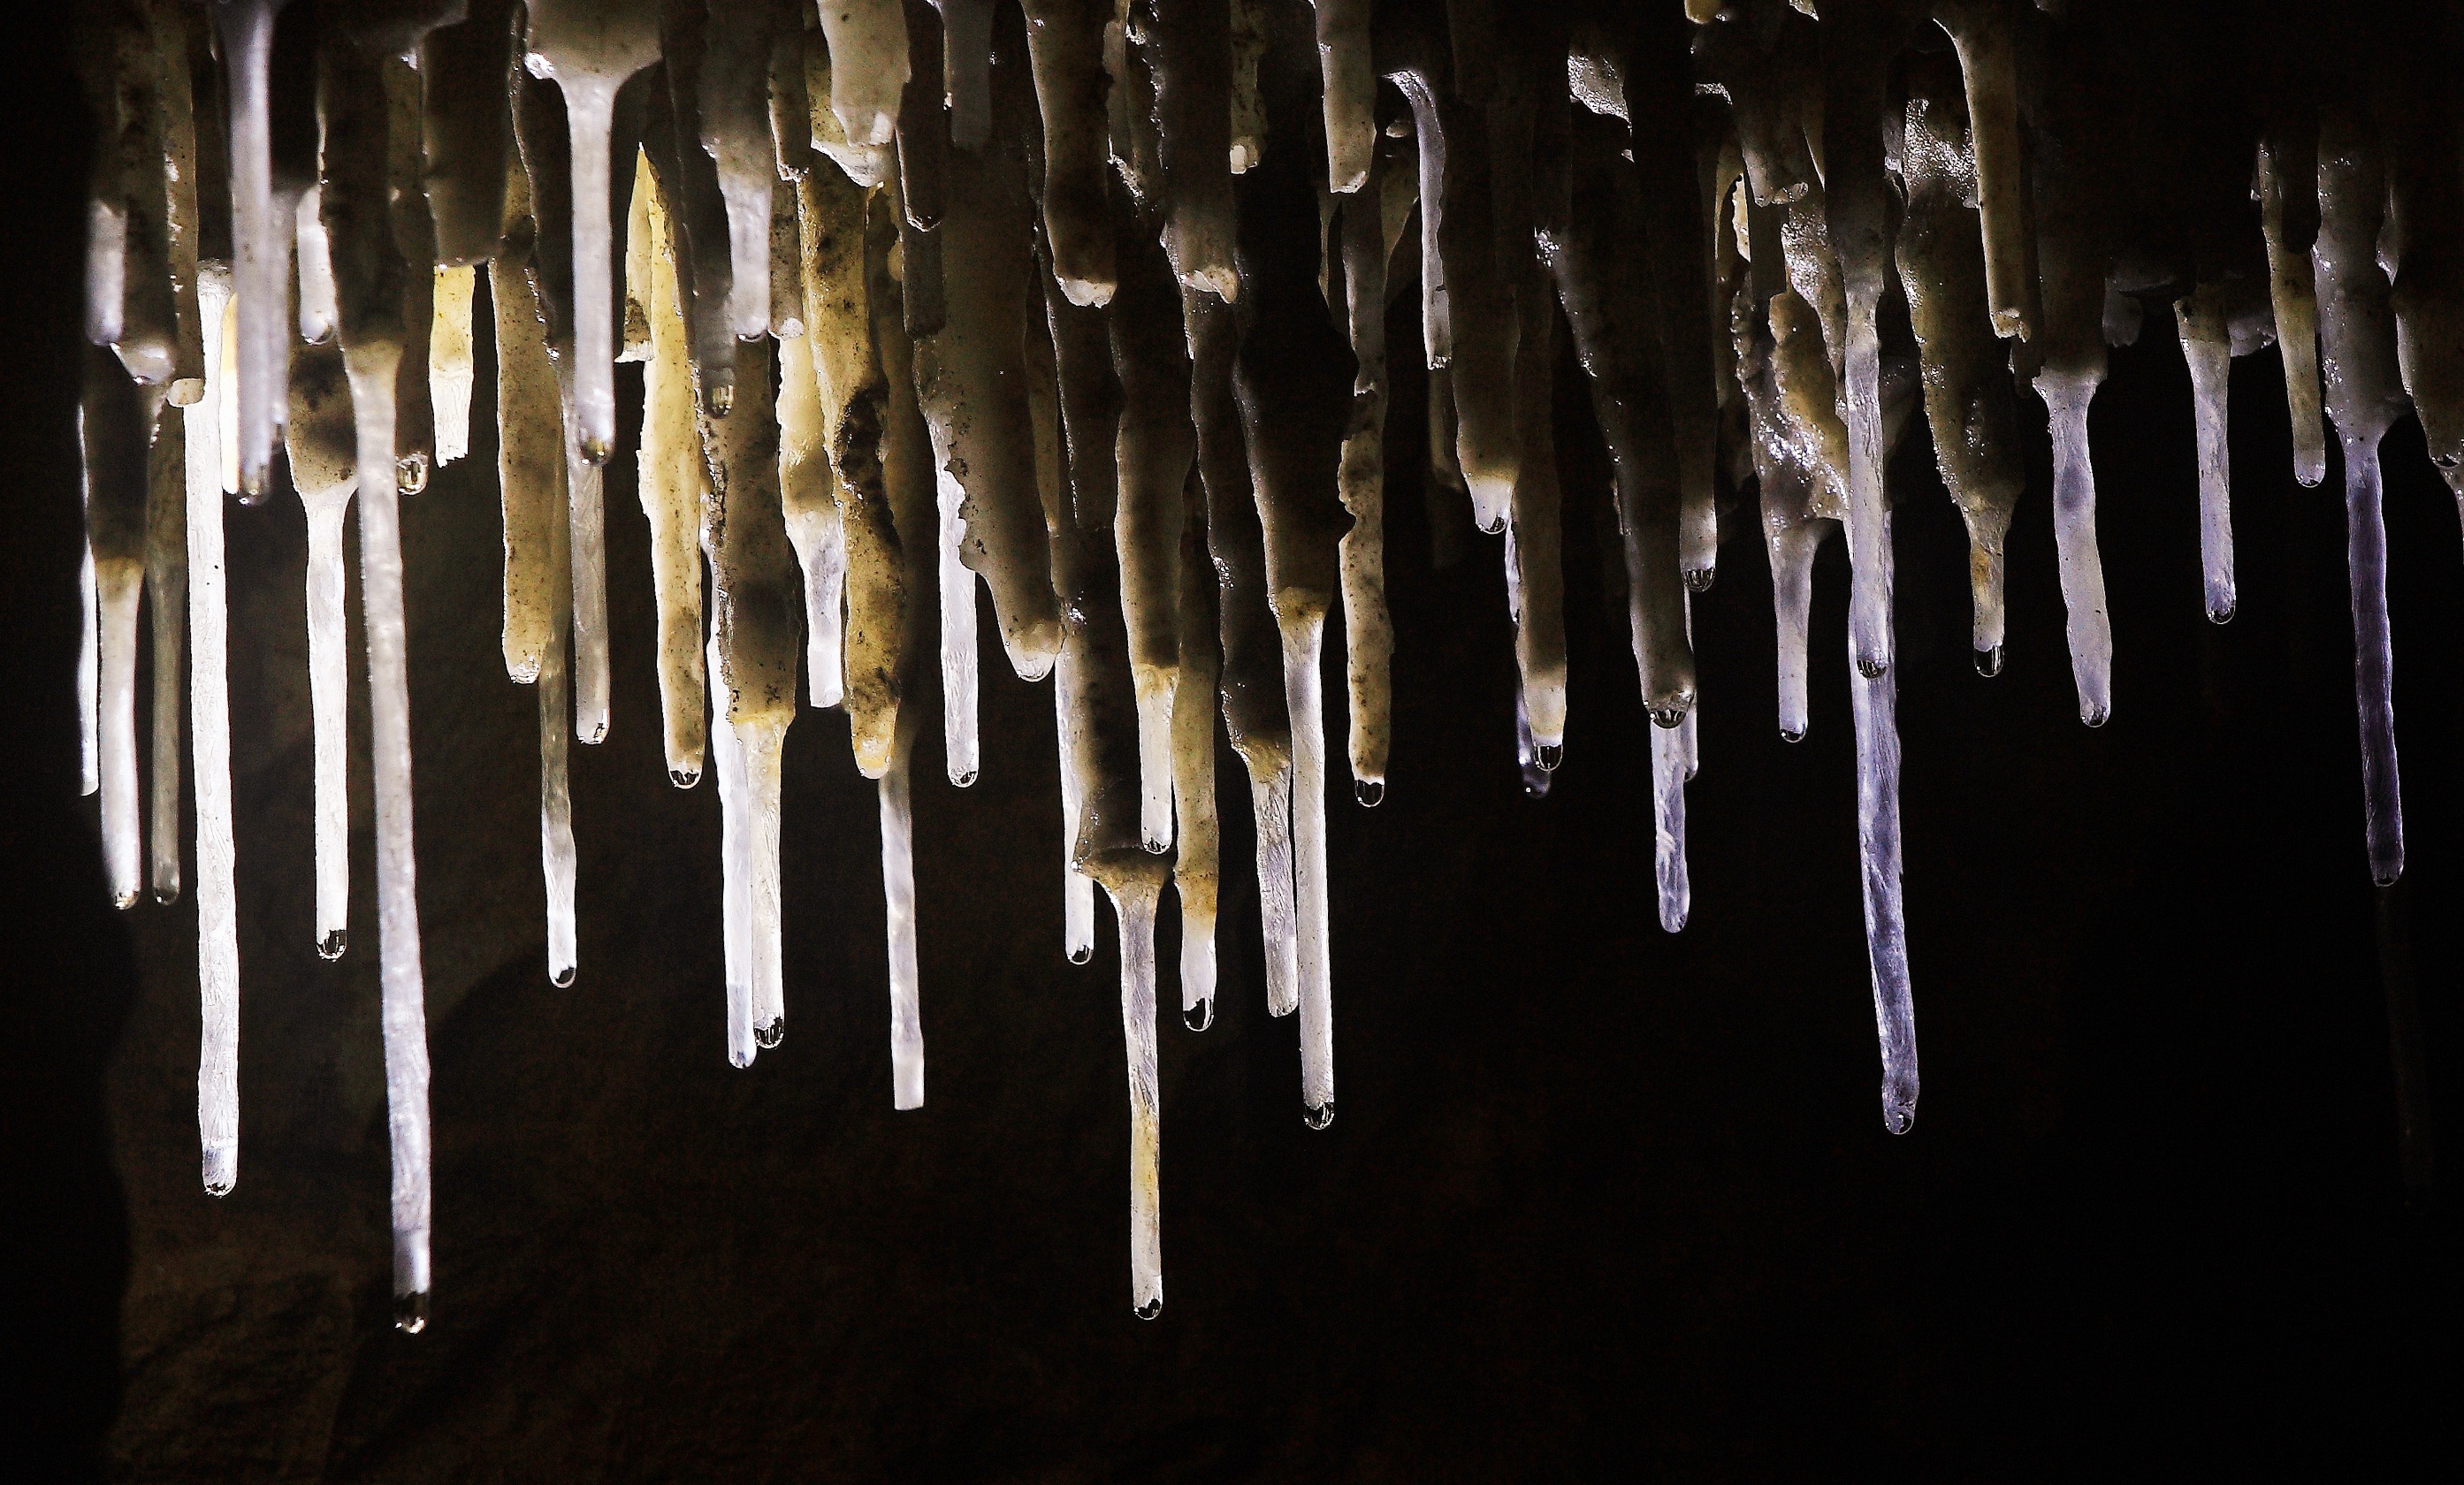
(1087,300)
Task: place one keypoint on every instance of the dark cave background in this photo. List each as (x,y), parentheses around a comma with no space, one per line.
(1599,1198)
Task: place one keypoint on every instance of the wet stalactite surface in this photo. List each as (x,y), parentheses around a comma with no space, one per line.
(1602,1198)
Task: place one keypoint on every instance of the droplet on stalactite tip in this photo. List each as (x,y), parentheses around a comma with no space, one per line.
(594,450)
(683,777)
(165,896)
(2386,882)
(1080,953)
(1369,793)
(2223,613)
(1669,716)
(1899,1118)
(1149,1310)
(411,1313)
(218,1188)
(717,400)
(1988,662)
(331,945)
(1154,846)
(1535,782)
(1872,670)
(2093,716)
(125,900)
(563,977)
(410,473)
(1550,755)
(962,780)
(771,1035)
(1786,736)
(1199,1016)
(1317,1116)
(1699,579)
(597,734)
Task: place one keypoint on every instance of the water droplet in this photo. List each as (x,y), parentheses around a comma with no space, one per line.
(1872,670)
(165,896)
(1080,953)
(962,780)
(1370,793)
(1156,847)
(1786,736)
(1496,524)
(218,1188)
(1551,754)
(1149,1310)
(1535,782)
(773,1033)
(2388,881)
(718,399)
(2308,480)
(596,735)
(411,1313)
(1199,1016)
(2093,716)
(683,777)
(1988,662)
(735,1059)
(410,473)
(1898,1119)
(1699,579)
(331,945)
(1317,1116)
(125,900)
(594,451)
(1669,716)
(2223,613)
(561,977)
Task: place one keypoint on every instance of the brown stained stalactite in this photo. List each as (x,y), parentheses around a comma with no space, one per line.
(922,179)
(2415,117)
(967,377)
(869,38)
(465,130)
(696,201)
(1189,53)
(1349,87)
(1255,714)
(414,232)
(791,103)
(167,602)
(1939,250)
(1291,378)
(1369,636)
(1197,838)
(1985,32)
(868,165)
(753,607)
(1251,22)
(530,447)
(1677,240)
(124,89)
(674,482)
(114,419)
(1155,448)
(1137,148)
(1064,43)
(732,101)
(966,62)
(1612,339)
(849,236)
(2288,196)
(183,225)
